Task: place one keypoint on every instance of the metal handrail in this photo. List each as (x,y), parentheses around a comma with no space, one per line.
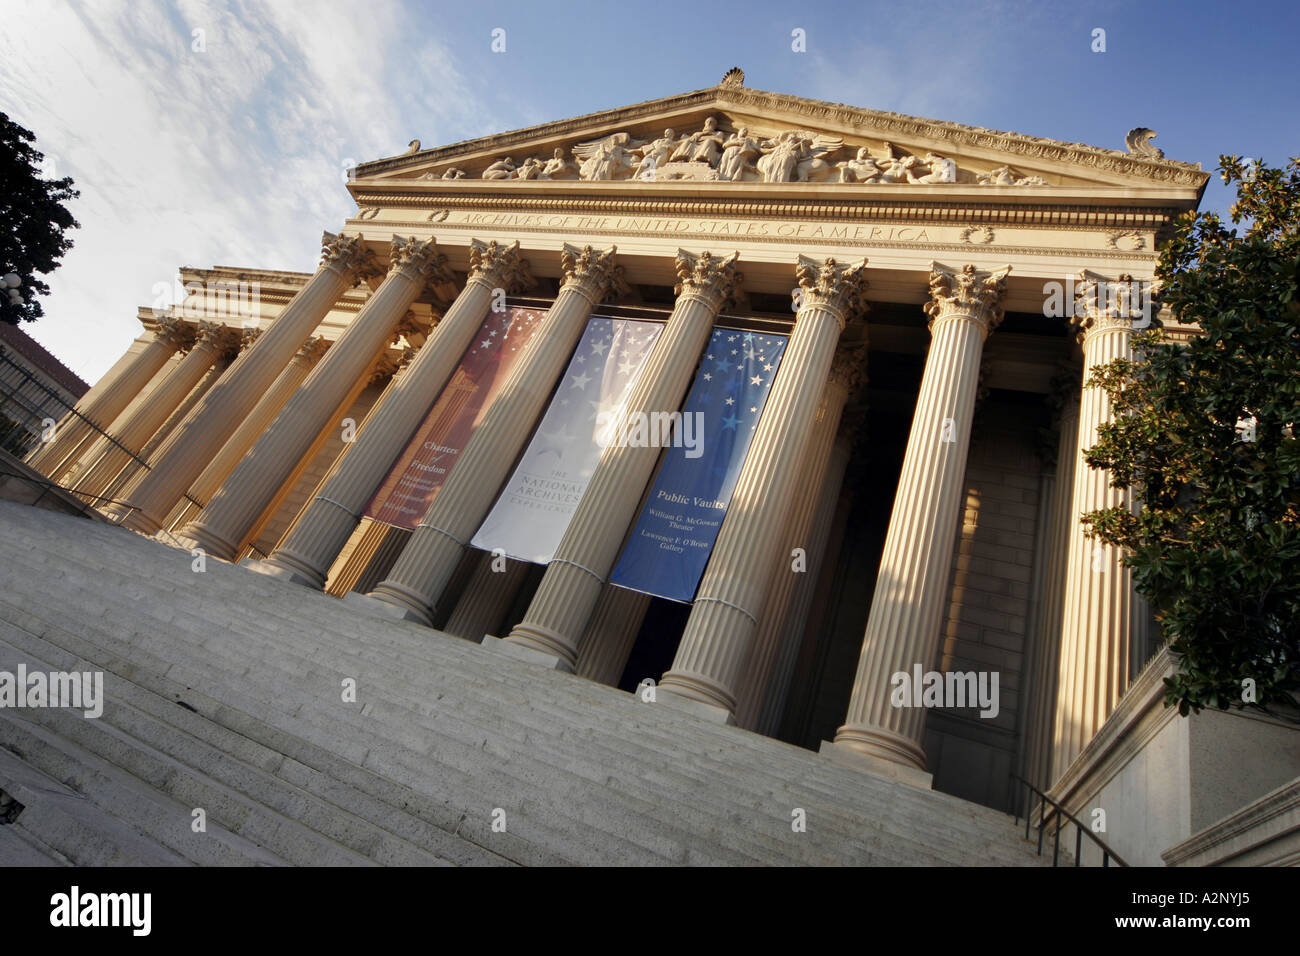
(1107,854)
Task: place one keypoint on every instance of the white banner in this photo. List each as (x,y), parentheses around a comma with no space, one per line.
(529,519)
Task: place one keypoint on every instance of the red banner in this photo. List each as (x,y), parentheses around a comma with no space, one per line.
(420,470)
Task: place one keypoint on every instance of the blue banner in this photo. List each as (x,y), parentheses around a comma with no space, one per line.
(674,535)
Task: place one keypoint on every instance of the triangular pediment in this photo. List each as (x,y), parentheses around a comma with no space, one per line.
(731,134)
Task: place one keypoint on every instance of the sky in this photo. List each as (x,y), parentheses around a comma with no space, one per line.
(219,133)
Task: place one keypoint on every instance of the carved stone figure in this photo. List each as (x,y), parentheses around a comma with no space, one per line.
(501,169)
(1006,176)
(737,154)
(605,158)
(897,168)
(455,172)
(559,166)
(780,157)
(942,170)
(861,169)
(702,147)
(531,169)
(654,154)
(815,152)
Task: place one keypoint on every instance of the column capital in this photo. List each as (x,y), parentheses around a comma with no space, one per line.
(418,260)
(849,367)
(221,340)
(840,289)
(967,293)
(313,349)
(248,338)
(495,266)
(707,277)
(348,256)
(592,273)
(173,332)
(1108,305)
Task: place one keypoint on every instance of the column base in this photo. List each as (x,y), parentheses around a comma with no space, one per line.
(879,766)
(377,608)
(407,606)
(667,697)
(697,687)
(284,574)
(530,637)
(214,547)
(527,654)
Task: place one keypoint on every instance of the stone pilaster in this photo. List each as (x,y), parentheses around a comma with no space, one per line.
(571,586)
(1096,624)
(421,574)
(911,590)
(267,407)
(235,508)
(198,439)
(720,632)
(1046,633)
(110,396)
(846,374)
(486,600)
(796,616)
(213,345)
(323,529)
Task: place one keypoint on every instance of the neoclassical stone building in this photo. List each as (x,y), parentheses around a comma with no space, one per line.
(883,325)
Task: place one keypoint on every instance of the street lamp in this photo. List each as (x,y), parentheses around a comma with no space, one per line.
(12,282)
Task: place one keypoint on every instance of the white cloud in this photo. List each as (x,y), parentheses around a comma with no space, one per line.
(233,155)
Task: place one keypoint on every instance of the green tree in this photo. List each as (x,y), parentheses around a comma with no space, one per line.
(1206,434)
(33,220)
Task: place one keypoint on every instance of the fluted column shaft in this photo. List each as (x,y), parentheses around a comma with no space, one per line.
(236,507)
(487,597)
(752,688)
(108,399)
(329,519)
(417,581)
(267,407)
(606,643)
(214,342)
(197,440)
(911,591)
(572,584)
(1047,629)
(1096,622)
(719,634)
(796,616)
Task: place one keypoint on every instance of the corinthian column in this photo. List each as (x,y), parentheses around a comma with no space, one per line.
(607,642)
(1046,634)
(195,442)
(719,634)
(236,507)
(912,585)
(572,584)
(418,579)
(215,343)
(487,597)
(769,645)
(1096,621)
(323,529)
(267,407)
(110,397)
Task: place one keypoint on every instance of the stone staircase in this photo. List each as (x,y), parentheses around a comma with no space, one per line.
(225,692)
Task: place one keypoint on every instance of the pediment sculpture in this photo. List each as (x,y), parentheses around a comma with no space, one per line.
(711,153)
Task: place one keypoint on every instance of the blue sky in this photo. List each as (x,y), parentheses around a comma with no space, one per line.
(235,154)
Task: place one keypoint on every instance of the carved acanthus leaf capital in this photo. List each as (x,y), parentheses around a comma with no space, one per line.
(592,272)
(1102,305)
(173,331)
(849,367)
(419,260)
(498,266)
(348,255)
(313,349)
(707,277)
(248,338)
(967,292)
(829,285)
(221,340)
